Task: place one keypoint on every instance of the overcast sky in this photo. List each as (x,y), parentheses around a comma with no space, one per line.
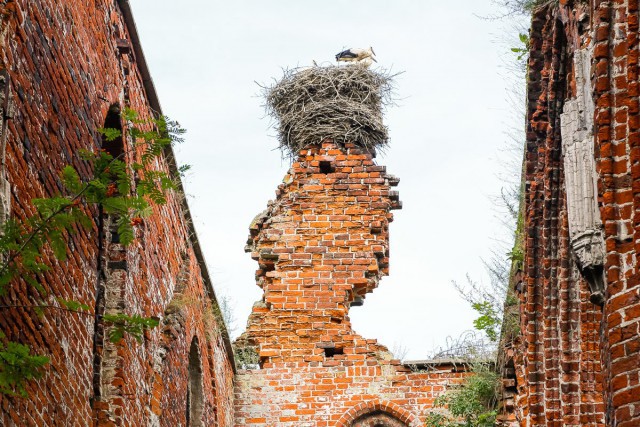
(447,133)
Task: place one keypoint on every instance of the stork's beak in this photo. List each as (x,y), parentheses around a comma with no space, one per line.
(374,59)
(371,48)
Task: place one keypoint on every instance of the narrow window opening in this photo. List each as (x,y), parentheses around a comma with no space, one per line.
(115,147)
(195,394)
(326,167)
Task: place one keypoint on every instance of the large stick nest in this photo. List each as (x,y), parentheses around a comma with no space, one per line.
(343,104)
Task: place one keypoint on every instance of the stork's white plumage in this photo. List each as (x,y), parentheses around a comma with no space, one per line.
(367,62)
(356,55)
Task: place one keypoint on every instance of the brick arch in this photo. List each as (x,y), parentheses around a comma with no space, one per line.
(390,408)
(195,389)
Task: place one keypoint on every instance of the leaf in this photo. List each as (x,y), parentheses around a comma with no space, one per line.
(82,218)
(489,321)
(167,183)
(134,325)
(5,278)
(110,134)
(34,282)
(130,115)
(49,206)
(124,186)
(182,170)
(59,245)
(71,179)
(86,154)
(73,305)
(116,335)
(125,230)
(116,205)
(18,366)
(39,311)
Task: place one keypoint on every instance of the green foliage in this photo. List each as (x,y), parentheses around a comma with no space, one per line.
(110,187)
(530,5)
(246,357)
(489,321)
(27,245)
(516,254)
(523,50)
(183,169)
(110,134)
(473,404)
(73,305)
(122,324)
(17,366)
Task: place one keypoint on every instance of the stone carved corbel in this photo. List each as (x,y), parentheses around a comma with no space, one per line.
(585,226)
(588,251)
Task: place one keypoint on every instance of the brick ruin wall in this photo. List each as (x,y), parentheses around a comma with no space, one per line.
(578,358)
(65,64)
(321,246)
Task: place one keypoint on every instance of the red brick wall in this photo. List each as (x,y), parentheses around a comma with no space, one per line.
(558,381)
(322,244)
(67,63)
(580,363)
(326,394)
(618,140)
(319,245)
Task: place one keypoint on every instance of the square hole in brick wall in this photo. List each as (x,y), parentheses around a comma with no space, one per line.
(332,351)
(326,167)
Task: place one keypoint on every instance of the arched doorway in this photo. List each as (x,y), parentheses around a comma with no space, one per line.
(377,419)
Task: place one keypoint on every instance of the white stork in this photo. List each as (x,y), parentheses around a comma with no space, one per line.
(356,55)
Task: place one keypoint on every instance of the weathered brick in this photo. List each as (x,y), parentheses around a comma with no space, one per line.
(324,370)
(67,62)
(596,353)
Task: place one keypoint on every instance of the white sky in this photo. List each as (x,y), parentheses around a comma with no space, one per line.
(446,136)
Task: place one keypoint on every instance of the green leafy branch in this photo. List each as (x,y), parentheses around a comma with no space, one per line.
(17,366)
(490,321)
(122,324)
(522,51)
(28,244)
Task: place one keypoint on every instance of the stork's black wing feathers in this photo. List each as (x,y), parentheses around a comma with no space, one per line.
(346,54)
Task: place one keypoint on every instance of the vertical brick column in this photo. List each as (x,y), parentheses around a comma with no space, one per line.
(618,124)
(558,372)
(321,245)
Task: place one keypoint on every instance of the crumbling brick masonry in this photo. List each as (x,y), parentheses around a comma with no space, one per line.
(321,246)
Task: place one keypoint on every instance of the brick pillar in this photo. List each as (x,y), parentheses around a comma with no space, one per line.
(321,245)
